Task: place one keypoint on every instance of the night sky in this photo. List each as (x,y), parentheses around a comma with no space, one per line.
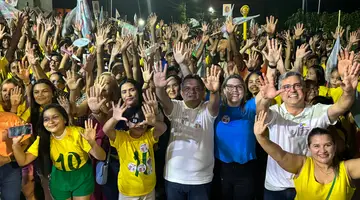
(167,9)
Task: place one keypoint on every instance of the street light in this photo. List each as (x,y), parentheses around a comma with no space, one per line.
(211,10)
(141,22)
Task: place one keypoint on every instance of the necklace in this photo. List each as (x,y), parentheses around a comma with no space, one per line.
(60,136)
(327,173)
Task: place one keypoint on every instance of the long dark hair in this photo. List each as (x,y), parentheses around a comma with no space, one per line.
(137,87)
(35,107)
(248,93)
(322,131)
(44,161)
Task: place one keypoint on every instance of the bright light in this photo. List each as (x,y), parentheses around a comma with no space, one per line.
(211,10)
(141,22)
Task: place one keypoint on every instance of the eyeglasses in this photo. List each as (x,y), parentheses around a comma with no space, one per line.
(232,87)
(296,86)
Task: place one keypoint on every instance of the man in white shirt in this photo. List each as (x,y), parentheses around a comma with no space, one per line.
(290,123)
(189,158)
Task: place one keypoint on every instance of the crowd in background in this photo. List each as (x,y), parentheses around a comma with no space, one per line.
(177,112)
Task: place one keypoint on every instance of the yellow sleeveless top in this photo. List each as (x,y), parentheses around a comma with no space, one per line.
(308,188)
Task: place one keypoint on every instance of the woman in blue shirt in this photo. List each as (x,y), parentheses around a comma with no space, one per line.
(235,144)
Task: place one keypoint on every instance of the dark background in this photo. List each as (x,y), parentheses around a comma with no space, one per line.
(168,9)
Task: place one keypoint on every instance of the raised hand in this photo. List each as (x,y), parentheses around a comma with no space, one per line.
(204,27)
(150,99)
(251,62)
(118,111)
(184,32)
(49,25)
(126,42)
(72,81)
(58,20)
(230,27)
(274,52)
(259,125)
(94,101)
(354,37)
(15,97)
(267,88)
(146,71)
(231,69)
(101,36)
(301,51)
(345,60)
(142,51)
(254,31)
(167,33)
(250,43)
(90,62)
(179,53)
(152,19)
(100,83)
(212,80)
(24,72)
(160,75)
(65,103)
(161,23)
(270,26)
(90,131)
(350,78)
(31,55)
(299,30)
(149,114)
(339,31)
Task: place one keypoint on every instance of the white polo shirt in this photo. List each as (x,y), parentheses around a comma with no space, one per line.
(190,153)
(290,133)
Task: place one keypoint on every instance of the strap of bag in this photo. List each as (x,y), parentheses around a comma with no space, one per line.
(331,189)
(108,156)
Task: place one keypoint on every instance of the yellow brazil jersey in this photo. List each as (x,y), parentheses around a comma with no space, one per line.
(308,188)
(22,111)
(69,153)
(136,156)
(3,70)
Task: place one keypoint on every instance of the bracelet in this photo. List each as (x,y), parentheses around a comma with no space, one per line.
(272,67)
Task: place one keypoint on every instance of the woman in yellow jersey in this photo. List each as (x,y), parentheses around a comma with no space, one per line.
(43,93)
(136,177)
(320,176)
(62,152)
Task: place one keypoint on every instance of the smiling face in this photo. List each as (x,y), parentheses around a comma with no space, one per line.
(322,148)
(294,95)
(42,94)
(234,91)
(253,84)
(172,88)
(53,121)
(57,81)
(129,94)
(6,90)
(192,91)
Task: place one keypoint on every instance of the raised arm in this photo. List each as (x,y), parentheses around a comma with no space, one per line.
(160,83)
(90,135)
(180,55)
(290,162)
(21,157)
(150,119)
(349,84)
(212,83)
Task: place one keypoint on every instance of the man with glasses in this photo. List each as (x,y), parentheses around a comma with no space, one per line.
(189,158)
(290,123)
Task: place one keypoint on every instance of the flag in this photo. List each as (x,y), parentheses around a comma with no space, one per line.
(7,11)
(333,59)
(117,14)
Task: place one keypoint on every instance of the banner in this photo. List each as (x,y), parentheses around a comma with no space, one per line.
(96,7)
(333,59)
(7,11)
(227,10)
(12,3)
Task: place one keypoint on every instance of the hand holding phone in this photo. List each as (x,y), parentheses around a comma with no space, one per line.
(17,131)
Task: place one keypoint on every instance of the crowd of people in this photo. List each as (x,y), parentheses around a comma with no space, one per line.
(177,112)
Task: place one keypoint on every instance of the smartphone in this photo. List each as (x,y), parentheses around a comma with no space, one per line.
(20,130)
